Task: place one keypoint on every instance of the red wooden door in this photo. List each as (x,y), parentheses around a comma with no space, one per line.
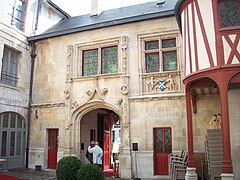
(162,148)
(106,148)
(52,148)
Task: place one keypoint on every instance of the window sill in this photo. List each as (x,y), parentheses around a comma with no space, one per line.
(231,29)
(103,76)
(9,87)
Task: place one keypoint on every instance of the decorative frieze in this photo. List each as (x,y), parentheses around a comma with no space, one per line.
(48,104)
(162,82)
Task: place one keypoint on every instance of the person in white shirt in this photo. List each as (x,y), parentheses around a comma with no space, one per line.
(97,154)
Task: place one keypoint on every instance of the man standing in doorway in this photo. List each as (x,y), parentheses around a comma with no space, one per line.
(97,154)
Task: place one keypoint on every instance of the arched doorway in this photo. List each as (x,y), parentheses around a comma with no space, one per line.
(12,140)
(102,125)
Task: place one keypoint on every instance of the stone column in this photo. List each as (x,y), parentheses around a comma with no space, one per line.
(125,154)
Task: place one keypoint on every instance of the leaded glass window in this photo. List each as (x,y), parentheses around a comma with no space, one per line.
(160,58)
(169,61)
(168,43)
(229,11)
(90,62)
(151,45)
(109,60)
(152,62)
(167,134)
(159,141)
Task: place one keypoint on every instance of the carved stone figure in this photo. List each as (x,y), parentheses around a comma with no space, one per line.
(119,102)
(213,123)
(75,104)
(152,84)
(67,94)
(88,93)
(124,89)
(172,84)
(219,120)
(104,91)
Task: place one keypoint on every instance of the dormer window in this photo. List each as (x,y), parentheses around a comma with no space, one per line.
(18,14)
(229,11)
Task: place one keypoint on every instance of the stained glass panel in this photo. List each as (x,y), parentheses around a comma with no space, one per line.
(109,60)
(90,62)
(167,136)
(229,13)
(168,43)
(151,45)
(169,61)
(152,62)
(159,141)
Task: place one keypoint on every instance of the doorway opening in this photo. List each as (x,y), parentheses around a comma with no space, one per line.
(103,126)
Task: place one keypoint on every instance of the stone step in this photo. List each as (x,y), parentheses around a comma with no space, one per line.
(214,138)
(215,145)
(215,158)
(209,131)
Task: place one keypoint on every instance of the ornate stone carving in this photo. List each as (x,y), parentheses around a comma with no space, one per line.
(119,102)
(124,89)
(66,94)
(74,105)
(104,91)
(89,93)
(162,82)
(172,84)
(124,53)
(69,58)
(215,122)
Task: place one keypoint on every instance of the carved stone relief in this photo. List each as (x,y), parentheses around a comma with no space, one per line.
(162,82)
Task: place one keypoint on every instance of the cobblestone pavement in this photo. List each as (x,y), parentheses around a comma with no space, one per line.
(31,174)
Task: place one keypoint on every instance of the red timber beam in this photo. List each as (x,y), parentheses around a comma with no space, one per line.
(191,162)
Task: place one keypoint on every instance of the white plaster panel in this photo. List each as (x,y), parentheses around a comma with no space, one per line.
(192,46)
(203,59)
(207,16)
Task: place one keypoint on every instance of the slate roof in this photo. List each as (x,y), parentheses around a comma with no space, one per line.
(108,18)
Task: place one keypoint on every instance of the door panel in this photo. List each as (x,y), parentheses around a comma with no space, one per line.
(162,148)
(12,140)
(107,138)
(52,148)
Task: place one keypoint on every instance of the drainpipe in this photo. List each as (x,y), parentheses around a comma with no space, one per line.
(33,55)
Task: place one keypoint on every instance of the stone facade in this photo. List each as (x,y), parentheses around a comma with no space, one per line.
(67,101)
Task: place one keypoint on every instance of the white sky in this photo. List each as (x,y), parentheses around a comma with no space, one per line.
(79,7)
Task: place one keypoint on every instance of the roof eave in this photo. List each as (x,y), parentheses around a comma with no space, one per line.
(103,25)
(58,8)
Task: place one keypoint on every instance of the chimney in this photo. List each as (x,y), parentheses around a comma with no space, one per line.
(94,8)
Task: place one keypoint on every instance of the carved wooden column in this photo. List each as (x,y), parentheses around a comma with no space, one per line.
(227,162)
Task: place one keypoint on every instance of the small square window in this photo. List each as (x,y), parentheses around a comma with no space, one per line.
(229,11)
(151,45)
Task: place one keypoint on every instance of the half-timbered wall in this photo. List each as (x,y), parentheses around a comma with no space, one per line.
(205,43)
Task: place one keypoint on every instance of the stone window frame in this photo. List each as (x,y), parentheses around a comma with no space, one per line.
(8,78)
(159,38)
(98,45)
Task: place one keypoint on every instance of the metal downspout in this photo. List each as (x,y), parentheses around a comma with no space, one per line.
(33,55)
